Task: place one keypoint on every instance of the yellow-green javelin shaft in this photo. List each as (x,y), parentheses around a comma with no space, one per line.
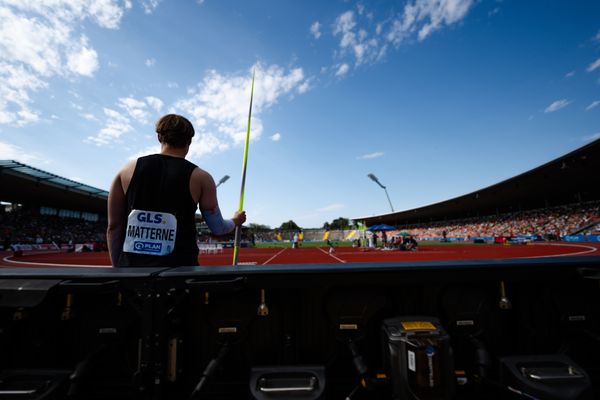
(238,231)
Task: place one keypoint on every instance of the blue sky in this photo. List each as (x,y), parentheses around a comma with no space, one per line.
(435,97)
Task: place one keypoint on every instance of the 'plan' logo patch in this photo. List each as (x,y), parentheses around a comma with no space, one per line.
(147,247)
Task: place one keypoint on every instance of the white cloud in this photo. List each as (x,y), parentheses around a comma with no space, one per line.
(89,117)
(42,39)
(137,109)
(557,105)
(154,149)
(593,105)
(200,2)
(218,106)
(356,42)
(276,137)
(424,17)
(367,41)
(116,126)
(150,62)
(593,66)
(149,5)
(597,37)
(370,156)
(172,85)
(570,74)
(331,207)
(342,70)
(207,143)
(155,103)
(592,137)
(76,106)
(304,86)
(15,103)
(315,29)
(84,60)
(12,152)
(119,123)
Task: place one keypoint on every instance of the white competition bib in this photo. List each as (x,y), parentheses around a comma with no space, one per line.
(151,233)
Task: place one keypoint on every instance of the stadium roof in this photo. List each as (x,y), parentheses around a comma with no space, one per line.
(572,178)
(23,184)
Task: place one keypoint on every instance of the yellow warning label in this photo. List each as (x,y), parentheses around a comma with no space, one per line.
(418,325)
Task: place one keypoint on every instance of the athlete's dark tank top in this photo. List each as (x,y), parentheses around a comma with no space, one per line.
(161,183)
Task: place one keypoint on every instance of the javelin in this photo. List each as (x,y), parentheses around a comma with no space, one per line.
(238,229)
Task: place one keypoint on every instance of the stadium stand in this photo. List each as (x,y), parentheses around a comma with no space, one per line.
(29,227)
(42,209)
(558,198)
(548,223)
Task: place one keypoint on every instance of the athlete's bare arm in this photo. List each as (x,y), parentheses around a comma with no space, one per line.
(204,193)
(117,208)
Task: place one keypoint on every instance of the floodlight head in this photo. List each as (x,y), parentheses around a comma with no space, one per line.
(374,179)
(224,179)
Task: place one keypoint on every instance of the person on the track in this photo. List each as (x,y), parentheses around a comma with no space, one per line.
(153,201)
(330,245)
(409,243)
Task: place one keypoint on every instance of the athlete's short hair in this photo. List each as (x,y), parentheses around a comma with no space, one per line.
(175,130)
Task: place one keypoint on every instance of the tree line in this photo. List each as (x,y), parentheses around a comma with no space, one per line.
(340,223)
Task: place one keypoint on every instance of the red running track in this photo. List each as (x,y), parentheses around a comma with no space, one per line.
(321,255)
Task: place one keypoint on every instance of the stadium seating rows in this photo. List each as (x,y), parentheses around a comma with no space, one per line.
(28,227)
(551,222)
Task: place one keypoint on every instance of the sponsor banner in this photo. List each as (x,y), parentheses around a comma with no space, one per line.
(582,238)
(81,247)
(486,238)
(527,237)
(441,239)
(32,247)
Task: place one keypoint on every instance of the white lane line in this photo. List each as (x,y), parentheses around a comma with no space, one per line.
(590,249)
(266,262)
(35,264)
(331,255)
(386,253)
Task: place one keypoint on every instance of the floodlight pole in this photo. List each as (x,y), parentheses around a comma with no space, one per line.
(388,197)
(376,180)
(223,180)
